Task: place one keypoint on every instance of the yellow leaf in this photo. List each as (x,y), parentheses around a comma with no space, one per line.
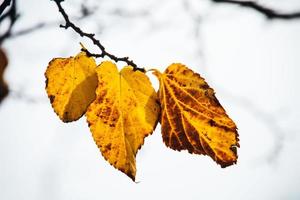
(192,118)
(124,112)
(71,84)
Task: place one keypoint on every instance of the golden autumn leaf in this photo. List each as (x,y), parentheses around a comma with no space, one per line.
(3,85)
(71,84)
(192,118)
(124,112)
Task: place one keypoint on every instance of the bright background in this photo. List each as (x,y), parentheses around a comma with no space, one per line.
(252,63)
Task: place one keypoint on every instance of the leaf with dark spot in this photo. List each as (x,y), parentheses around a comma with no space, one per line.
(71,84)
(124,112)
(192,118)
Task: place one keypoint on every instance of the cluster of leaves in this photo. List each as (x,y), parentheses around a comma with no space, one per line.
(122,108)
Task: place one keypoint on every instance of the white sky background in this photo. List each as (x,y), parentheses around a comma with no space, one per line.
(252,63)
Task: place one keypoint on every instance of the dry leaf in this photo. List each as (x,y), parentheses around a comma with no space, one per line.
(192,118)
(124,112)
(3,85)
(71,84)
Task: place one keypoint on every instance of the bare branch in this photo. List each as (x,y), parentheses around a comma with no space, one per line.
(96,42)
(4,5)
(13,16)
(267,12)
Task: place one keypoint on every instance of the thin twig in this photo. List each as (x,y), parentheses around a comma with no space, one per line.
(103,53)
(267,12)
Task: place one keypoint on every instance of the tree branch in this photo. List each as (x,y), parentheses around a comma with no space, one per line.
(267,12)
(4,4)
(13,16)
(96,42)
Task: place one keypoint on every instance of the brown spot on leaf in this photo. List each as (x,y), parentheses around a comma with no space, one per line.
(108,146)
(51,97)
(46,82)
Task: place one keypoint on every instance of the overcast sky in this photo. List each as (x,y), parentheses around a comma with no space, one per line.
(252,63)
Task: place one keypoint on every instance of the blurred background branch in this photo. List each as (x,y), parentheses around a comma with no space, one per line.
(4,5)
(12,16)
(264,10)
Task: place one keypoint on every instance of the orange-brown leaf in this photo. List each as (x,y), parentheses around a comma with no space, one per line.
(3,85)
(192,118)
